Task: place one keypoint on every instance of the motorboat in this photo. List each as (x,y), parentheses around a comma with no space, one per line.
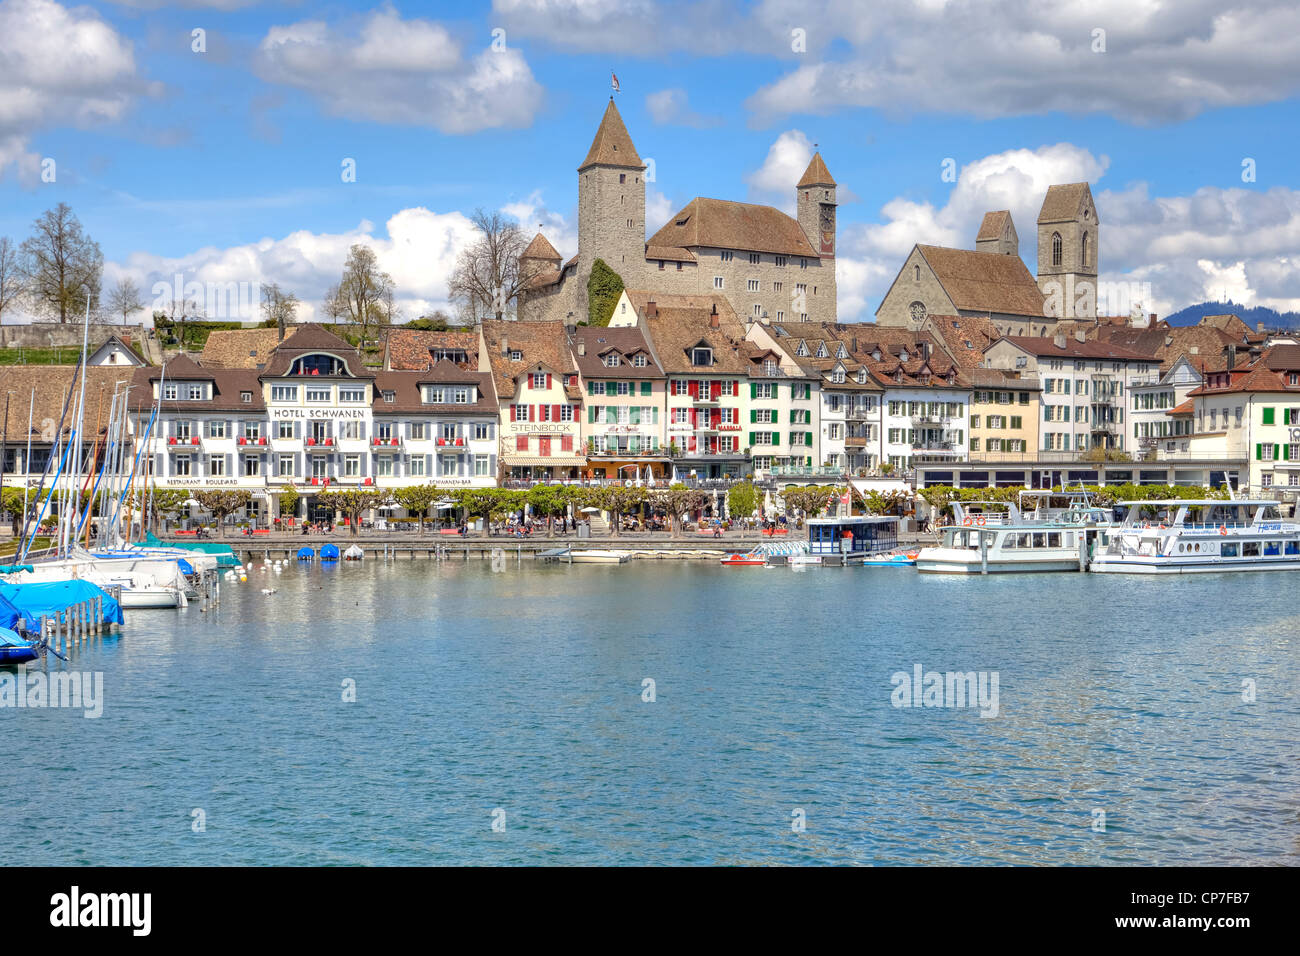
(988,549)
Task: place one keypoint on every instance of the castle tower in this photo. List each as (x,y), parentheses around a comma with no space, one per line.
(998,234)
(611,206)
(815,202)
(1068,232)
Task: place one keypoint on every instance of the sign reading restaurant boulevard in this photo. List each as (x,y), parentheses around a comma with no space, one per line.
(311,413)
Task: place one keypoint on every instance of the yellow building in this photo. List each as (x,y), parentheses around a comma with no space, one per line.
(1004,414)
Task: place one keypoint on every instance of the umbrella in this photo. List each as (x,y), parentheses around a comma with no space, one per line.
(591,511)
(649,477)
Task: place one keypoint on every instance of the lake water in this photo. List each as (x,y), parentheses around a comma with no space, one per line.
(516,697)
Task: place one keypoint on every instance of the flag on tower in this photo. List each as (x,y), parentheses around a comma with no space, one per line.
(614,79)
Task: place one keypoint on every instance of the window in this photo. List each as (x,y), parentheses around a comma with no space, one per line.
(516,355)
(318,395)
(780,261)
(519,413)
(350,394)
(252,466)
(417,466)
(284,393)
(480,465)
(482,431)
(216,429)
(284,430)
(462,396)
(751,285)
(181,467)
(285,466)
(702,356)
(434,395)
(390,397)
(725,255)
(195,393)
(611,361)
(217,466)
(639,361)
(753,258)
(246,397)
(252,430)
(351,466)
(350,430)
(1056,248)
(537,380)
(717,282)
(417,431)
(384,466)
(170,391)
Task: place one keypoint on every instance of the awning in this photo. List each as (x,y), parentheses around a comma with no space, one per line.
(546,461)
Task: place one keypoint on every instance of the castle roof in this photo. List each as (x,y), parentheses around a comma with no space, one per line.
(816,174)
(994,224)
(612,145)
(540,248)
(722,224)
(985,281)
(239,348)
(1063,202)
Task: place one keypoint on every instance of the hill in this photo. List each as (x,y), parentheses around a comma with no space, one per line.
(1252,315)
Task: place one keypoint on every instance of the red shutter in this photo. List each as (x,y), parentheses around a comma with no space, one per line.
(695,418)
(512,413)
(521,443)
(544,446)
(691,443)
(566,443)
(555,413)
(694,388)
(548,380)
(533,414)
(735,389)
(717,389)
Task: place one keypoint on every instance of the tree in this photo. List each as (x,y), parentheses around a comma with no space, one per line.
(742,499)
(489,275)
(166,503)
(13,283)
(677,501)
(810,501)
(604,286)
(278,306)
(289,501)
(125,298)
(353,502)
(417,499)
(63,265)
(364,295)
(221,504)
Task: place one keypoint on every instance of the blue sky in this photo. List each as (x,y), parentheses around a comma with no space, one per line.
(225,164)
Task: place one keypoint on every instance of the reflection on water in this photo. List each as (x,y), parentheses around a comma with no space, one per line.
(522,692)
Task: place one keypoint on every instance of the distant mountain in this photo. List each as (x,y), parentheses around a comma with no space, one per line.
(1252,315)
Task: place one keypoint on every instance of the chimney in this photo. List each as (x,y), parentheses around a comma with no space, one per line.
(505,345)
(713,317)
(1232,357)
(1151,321)
(1080,335)
(1058,340)
(582,347)
(651,309)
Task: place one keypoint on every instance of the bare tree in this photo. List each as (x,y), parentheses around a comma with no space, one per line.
(62,263)
(364,296)
(125,298)
(13,283)
(489,275)
(279,306)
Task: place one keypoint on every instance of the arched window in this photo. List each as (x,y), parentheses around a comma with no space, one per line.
(1056,248)
(1086,250)
(916,273)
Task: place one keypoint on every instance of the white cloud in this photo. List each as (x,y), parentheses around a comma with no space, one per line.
(534,215)
(409,72)
(1193,248)
(786,160)
(672,106)
(417,247)
(658,208)
(58,67)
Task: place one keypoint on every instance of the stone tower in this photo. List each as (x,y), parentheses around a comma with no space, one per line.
(1068,231)
(611,207)
(815,202)
(998,234)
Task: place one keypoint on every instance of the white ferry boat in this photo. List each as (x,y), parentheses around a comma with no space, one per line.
(1186,535)
(995,548)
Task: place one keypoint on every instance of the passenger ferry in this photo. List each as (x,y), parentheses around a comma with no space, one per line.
(1186,535)
(994,548)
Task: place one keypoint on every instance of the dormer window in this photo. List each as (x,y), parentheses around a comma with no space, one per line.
(876,356)
(639,361)
(170,391)
(516,355)
(801,350)
(837,376)
(902,355)
(611,361)
(246,397)
(841,352)
(317,365)
(390,397)
(702,356)
(821,349)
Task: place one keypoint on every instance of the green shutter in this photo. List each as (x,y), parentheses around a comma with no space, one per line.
(776,438)
(1268,416)
(808,462)
(645,388)
(1259,451)
(752,436)
(611,415)
(753,417)
(1286,452)
(753,391)
(636,415)
(656,411)
(591,388)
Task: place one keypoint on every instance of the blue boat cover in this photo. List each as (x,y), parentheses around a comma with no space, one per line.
(31,601)
(224,553)
(329,552)
(306,554)
(15,568)
(185,566)
(10,639)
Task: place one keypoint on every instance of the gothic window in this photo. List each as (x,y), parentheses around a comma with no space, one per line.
(917,311)
(916,273)
(1086,250)
(1056,248)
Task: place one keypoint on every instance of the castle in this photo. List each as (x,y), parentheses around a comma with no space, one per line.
(768,266)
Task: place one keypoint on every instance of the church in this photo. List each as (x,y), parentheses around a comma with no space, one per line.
(767,265)
(991,281)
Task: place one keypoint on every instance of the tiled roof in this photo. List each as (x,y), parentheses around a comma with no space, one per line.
(626,341)
(722,224)
(965,337)
(44,388)
(1044,345)
(678,328)
(985,281)
(1254,378)
(612,145)
(1284,358)
(816,174)
(1228,322)
(1187,408)
(993,225)
(413,348)
(228,385)
(239,348)
(540,248)
(405,386)
(540,343)
(1062,202)
(1002,379)
(669,253)
(314,338)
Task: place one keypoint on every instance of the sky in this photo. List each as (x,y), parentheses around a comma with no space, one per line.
(247,142)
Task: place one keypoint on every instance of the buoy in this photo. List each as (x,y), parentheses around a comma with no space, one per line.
(243,577)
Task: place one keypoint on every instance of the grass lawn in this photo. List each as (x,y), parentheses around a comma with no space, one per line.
(69,355)
(9,548)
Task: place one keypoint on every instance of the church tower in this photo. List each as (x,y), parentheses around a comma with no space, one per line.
(611,207)
(815,202)
(1068,232)
(998,234)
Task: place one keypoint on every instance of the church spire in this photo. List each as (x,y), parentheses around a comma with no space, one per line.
(816,174)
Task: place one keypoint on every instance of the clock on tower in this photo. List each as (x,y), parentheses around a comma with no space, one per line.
(827,223)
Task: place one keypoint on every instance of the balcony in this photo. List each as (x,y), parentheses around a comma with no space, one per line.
(855,441)
(857,414)
(805,471)
(445,442)
(387,442)
(927,419)
(706,401)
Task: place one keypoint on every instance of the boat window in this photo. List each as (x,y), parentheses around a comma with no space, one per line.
(1024,541)
(1009,541)
(1054,539)
(1250,549)
(1228,550)
(1069,539)
(1293,547)
(1038,539)
(1272,547)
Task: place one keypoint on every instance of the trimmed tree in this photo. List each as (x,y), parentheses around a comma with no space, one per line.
(222,504)
(353,502)
(417,499)
(289,501)
(742,499)
(604,286)
(678,501)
